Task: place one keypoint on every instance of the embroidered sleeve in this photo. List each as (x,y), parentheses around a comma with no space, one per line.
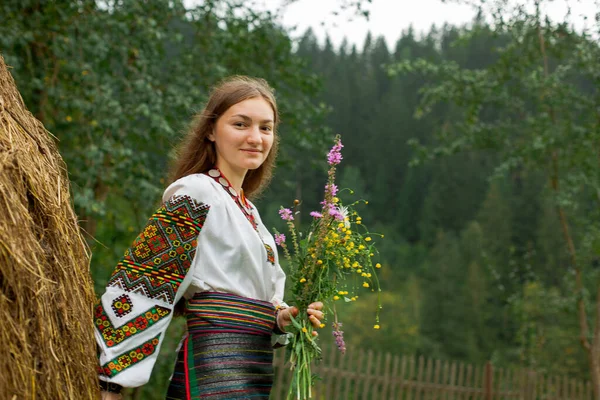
(133,314)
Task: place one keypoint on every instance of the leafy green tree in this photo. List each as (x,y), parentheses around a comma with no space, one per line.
(536,107)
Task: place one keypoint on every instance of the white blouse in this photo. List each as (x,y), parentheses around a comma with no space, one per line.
(205,237)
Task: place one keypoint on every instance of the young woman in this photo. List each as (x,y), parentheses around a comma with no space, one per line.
(207,247)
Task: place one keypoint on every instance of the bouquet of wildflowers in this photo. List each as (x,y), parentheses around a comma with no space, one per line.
(329,263)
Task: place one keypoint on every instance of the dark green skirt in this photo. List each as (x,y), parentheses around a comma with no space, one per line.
(227,353)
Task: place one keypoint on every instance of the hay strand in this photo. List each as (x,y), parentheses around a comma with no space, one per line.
(47,348)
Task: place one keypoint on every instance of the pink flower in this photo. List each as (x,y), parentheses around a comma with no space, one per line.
(333,189)
(335,156)
(335,213)
(339,337)
(286,214)
(315,214)
(279,238)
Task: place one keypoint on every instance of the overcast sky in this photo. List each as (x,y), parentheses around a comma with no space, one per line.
(390,17)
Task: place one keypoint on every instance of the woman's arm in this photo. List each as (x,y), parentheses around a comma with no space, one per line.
(133,314)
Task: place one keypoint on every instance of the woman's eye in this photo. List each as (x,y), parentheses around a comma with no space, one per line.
(239,124)
(267,128)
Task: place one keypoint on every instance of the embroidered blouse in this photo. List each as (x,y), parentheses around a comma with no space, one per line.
(205,237)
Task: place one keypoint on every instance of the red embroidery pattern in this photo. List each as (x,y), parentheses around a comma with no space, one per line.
(113,336)
(122,305)
(270,254)
(129,358)
(160,257)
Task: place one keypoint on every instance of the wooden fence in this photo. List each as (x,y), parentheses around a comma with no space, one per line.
(378,376)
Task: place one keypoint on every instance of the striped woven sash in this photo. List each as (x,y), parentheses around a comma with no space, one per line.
(214,312)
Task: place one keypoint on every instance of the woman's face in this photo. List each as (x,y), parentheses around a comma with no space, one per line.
(243,136)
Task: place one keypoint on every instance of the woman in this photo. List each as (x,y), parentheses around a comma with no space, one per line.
(207,247)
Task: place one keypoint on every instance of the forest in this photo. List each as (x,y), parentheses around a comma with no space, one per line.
(477,148)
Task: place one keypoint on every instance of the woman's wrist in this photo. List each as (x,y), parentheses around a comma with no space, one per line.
(279,329)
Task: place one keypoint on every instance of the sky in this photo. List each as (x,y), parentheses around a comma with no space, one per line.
(388,18)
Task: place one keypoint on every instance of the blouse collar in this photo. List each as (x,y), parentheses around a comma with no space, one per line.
(240,199)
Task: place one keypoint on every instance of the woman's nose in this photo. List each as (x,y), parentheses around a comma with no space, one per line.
(254,135)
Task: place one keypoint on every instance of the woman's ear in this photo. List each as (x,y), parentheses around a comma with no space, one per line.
(211,135)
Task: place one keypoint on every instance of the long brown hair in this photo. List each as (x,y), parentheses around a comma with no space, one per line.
(197,154)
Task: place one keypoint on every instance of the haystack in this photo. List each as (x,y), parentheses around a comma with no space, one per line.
(47,348)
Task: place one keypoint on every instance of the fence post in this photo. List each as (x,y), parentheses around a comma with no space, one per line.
(488,381)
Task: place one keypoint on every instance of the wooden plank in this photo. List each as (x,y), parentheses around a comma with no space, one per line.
(350,374)
(477,383)
(375,392)
(341,367)
(488,383)
(419,380)
(356,381)
(436,380)
(427,386)
(396,379)
(367,377)
(410,382)
(331,373)
(452,382)
(468,379)
(446,372)
(385,387)
(460,382)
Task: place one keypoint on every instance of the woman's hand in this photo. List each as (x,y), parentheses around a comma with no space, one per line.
(315,316)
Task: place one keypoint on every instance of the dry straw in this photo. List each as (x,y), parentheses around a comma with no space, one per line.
(47,348)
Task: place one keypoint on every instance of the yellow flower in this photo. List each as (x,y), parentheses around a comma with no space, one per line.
(382,236)
(368,275)
(359,271)
(319,262)
(68,118)
(336,297)
(364,274)
(335,200)
(353,299)
(377,265)
(376,326)
(368,239)
(371,255)
(366,202)
(304,330)
(302,280)
(322,326)
(341,225)
(361,247)
(366,284)
(358,222)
